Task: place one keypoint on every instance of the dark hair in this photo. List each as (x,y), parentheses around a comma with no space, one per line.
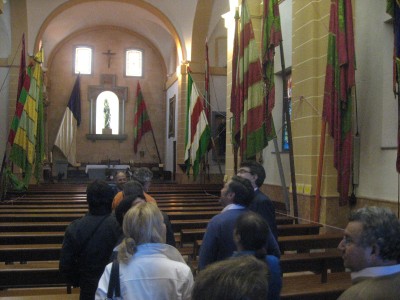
(125,205)
(239,278)
(132,187)
(255,168)
(142,175)
(253,232)
(99,197)
(243,190)
(381,227)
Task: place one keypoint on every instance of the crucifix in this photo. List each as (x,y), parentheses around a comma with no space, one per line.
(109,54)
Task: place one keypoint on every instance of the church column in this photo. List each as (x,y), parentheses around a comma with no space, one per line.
(310,39)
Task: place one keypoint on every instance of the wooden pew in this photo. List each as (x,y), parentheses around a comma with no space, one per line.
(301,243)
(309,287)
(306,242)
(33,226)
(25,238)
(192,234)
(31,274)
(40,217)
(29,252)
(317,262)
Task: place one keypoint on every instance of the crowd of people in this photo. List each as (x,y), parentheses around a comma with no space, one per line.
(124,246)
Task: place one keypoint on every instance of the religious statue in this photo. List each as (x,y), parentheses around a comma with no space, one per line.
(107,118)
(107,114)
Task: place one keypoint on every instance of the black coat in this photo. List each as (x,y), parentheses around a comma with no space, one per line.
(87,246)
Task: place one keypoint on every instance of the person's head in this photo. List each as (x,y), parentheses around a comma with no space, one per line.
(251,233)
(132,187)
(99,196)
(253,171)
(120,179)
(142,224)
(126,204)
(144,176)
(238,191)
(236,278)
(371,238)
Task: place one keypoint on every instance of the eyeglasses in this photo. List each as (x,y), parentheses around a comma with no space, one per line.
(348,241)
(243,171)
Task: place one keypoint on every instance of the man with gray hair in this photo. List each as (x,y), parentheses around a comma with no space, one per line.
(371,250)
(144,176)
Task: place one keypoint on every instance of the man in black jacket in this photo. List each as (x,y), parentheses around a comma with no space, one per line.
(260,204)
(89,241)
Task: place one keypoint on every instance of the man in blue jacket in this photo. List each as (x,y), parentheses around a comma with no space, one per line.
(218,243)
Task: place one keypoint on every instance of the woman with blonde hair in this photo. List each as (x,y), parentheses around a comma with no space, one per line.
(148,268)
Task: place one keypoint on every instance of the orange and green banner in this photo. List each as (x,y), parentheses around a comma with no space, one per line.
(141,121)
(339,81)
(271,38)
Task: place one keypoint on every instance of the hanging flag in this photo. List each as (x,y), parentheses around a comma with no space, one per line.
(339,81)
(19,106)
(141,119)
(67,132)
(26,148)
(249,92)
(197,134)
(236,106)
(393,9)
(271,38)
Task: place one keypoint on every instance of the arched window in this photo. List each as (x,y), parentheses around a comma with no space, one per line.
(107,104)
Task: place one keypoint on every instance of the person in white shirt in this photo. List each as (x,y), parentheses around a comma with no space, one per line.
(148,268)
(371,250)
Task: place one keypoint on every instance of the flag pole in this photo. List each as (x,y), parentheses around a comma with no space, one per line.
(289,129)
(317,206)
(155,143)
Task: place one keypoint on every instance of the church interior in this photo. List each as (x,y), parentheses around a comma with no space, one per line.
(170,37)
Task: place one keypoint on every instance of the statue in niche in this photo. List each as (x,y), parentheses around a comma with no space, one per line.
(107,118)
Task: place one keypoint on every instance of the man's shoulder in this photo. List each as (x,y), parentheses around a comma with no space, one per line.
(227,215)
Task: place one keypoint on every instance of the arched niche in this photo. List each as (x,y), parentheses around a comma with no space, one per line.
(107,85)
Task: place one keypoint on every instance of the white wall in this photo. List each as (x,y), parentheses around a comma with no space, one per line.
(377,106)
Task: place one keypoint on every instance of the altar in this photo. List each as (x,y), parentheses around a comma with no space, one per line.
(99,171)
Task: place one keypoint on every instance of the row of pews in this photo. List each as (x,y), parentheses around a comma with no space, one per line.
(32,229)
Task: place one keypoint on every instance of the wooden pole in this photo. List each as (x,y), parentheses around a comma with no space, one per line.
(155,143)
(317,206)
(289,129)
(282,175)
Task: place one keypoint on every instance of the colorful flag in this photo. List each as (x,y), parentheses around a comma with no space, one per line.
(236,106)
(19,106)
(271,38)
(339,81)
(141,120)
(26,148)
(197,134)
(393,9)
(67,132)
(247,103)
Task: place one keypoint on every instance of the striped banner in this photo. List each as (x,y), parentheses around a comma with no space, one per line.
(141,122)
(197,134)
(27,142)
